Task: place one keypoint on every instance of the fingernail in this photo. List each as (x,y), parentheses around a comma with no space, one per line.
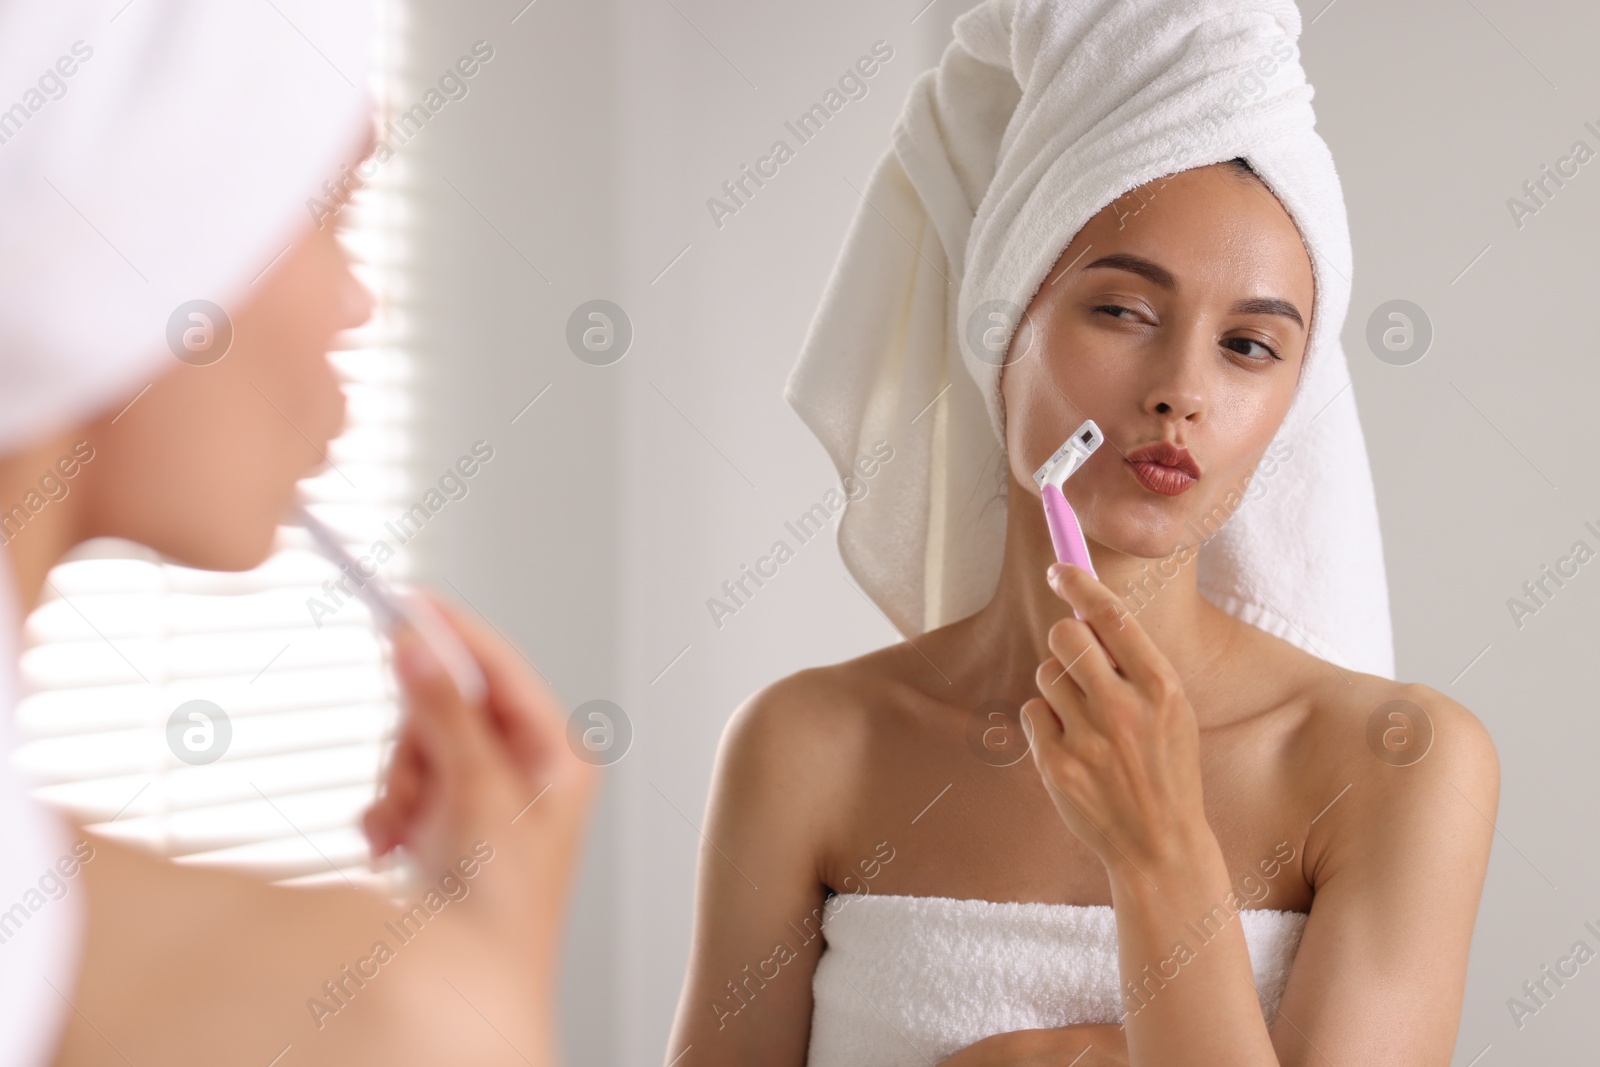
(415,661)
(1058,572)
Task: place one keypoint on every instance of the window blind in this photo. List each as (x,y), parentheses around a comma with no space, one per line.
(121,639)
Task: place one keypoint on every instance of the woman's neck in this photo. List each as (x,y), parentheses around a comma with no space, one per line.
(36,536)
(1009,635)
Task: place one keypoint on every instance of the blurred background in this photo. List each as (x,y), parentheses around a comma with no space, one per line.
(632,476)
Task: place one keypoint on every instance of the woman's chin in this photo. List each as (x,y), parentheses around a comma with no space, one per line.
(232,548)
(1158,537)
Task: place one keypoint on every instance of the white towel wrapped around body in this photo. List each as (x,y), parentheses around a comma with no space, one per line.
(908,981)
(1040,114)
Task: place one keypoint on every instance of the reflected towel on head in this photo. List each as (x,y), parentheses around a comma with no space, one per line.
(157,153)
(1039,114)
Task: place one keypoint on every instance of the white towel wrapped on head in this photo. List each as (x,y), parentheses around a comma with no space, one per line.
(173,163)
(1040,114)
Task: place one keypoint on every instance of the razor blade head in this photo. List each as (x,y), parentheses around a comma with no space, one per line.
(1070,456)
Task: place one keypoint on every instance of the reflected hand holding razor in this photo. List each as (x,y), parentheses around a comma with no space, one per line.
(394,611)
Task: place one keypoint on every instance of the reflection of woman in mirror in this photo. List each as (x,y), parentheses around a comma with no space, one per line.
(1233,838)
(135,406)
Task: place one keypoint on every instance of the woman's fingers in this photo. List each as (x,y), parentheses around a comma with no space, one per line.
(524,711)
(457,765)
(443,749)
(1040,723)
(452,733)
(1129,647)
(1056,684)
(404,780)
(1080,657)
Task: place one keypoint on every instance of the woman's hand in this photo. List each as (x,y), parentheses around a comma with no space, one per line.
(1066,1046)
(1118,746)
(467,779)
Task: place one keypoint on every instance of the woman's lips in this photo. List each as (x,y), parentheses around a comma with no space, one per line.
(1160,478)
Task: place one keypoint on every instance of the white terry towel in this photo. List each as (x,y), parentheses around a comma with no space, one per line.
(153,154)
(1039,114)
(907,981)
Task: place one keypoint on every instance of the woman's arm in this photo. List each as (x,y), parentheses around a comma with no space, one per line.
(1398,865)
(1381,966)
(1399,872)
(1079,1045)
(759,890)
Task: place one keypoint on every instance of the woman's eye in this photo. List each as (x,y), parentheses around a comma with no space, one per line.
(1248,341)
(1241,345)
(1114,310)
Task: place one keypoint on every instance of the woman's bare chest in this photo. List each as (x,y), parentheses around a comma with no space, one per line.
(963,821)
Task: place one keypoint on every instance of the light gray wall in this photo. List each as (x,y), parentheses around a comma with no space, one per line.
(1482,451)
(625,497)
(728,321)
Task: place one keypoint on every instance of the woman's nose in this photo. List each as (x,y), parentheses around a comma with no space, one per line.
(1177,385)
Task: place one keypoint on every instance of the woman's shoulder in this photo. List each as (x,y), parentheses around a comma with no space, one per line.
(817,713)
(809,739)
(799,756)
(1396,760)
(1348,722)
(1378,722)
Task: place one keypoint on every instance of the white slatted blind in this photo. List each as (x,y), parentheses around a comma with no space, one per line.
(121,638)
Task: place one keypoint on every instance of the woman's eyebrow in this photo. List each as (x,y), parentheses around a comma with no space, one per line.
(1161,276)
(1155,272)
(1268,305)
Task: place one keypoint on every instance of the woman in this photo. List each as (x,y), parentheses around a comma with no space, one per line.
(176,163)
(1215,739)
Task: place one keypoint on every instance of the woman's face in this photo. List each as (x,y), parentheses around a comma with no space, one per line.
(202,467)
(1179,313)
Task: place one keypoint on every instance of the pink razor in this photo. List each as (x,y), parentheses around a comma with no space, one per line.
(1065,534)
